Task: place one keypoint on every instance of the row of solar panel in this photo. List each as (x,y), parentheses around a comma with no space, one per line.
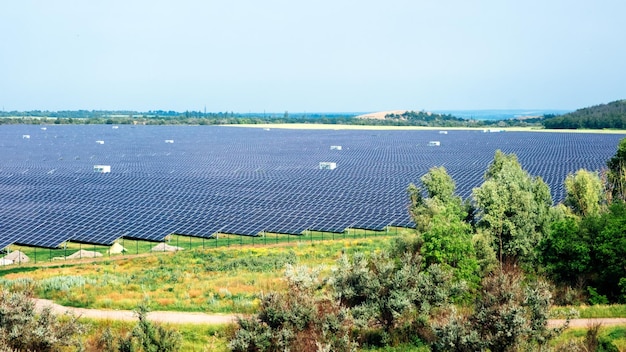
(245,181)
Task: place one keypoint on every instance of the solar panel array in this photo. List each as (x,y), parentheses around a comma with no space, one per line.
(201,180)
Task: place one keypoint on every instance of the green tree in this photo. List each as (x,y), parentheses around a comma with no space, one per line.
(440,198)
(566,252)
(616,177)
(445,238)
(449,242)
(611,251)
(513,207)
(584,192)
(439,185)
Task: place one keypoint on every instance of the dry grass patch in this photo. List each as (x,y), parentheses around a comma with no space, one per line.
(224,280)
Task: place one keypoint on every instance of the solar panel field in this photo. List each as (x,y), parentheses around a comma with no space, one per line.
(202,180)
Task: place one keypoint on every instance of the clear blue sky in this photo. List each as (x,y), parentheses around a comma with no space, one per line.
(314,56)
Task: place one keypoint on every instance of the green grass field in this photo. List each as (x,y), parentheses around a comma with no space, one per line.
(224,275)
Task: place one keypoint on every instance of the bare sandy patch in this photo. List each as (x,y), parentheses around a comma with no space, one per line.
(380,115)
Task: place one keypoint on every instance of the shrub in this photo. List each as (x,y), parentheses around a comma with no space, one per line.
(300,320)
(387,294)
(509,315)
(595,297)
(145,337)
(23,330)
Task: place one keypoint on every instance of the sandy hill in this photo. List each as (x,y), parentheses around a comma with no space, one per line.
(380,115)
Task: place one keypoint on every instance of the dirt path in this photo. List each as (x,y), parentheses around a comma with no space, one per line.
(127,315)
(585,323)
(203,318)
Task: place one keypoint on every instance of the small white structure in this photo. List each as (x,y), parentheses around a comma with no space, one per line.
(44,128)
(115,127)
(84,254)
(327,165)
(266,129)
(100,142)
(492,130)
(443,132)
(26,136)
(164,247)
(170,141)
(116,248)
(103,169)
(17,257)
(4,261)
(335,147)
(434,144)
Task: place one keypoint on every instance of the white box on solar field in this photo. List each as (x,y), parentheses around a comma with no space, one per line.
(443,132)
(335,147)
(434,144)
(103,169)
(100,142)
(26,136)
(169,141)
(327,165)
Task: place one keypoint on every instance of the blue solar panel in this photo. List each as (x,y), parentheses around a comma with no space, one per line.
(244,180)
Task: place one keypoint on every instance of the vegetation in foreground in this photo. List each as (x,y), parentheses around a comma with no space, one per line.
(471,278)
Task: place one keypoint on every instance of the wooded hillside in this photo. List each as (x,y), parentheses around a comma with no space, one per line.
(611,115)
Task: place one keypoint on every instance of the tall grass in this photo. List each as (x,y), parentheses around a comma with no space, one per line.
(595,311)
(226,279)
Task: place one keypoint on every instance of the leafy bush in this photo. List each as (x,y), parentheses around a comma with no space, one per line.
(21,329)
(508,315)
(595,297)
(145,337)
(300,320)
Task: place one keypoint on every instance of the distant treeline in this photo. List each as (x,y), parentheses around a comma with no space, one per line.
(611,115)
(160,117)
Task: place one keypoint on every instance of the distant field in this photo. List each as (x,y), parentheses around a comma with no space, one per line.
(306,126)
